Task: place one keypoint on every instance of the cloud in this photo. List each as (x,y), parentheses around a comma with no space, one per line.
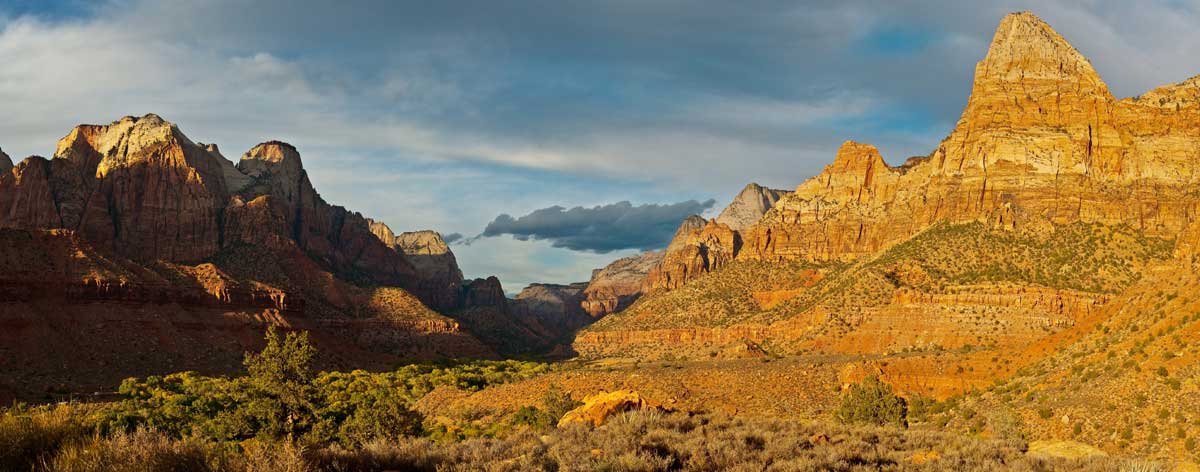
(444,114)
(452,237)
(600,229)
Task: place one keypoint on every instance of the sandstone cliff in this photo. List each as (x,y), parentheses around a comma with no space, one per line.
(534,323)
(559,308)
(79,317)
(1060,150)
(749,206)
(6,164)
(133,231)
(699,247)
(617,285)
(1049,197)
(1041,141)
(440,280)
(141,188)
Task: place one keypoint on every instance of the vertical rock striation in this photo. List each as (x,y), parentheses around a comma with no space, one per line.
(141,188)
(440,280)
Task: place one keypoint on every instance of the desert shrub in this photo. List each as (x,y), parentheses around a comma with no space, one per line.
(921,407)
(532,417)
(281,397)
(673,441)
(385,418)
(1045,412)
(558,403)
(872,402)
(29,436)
(141,451)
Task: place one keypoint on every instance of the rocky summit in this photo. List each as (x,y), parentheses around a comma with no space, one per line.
(132,231)
(1037,210)
(749,206)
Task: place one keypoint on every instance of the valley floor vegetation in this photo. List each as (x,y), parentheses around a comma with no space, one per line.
(282,416)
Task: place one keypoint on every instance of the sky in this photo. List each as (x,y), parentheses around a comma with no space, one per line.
(554,136)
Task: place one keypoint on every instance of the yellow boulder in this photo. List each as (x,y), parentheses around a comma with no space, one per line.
(598,408)
(1064,449)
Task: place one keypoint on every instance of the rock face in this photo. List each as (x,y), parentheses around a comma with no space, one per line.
(600,407)
(554,306)
(1061,150)
(79,317)
(699,246)
(132,231)
(141,188)
(511,327)
(440,280)
(749,206)
(485,293)
(1044,171)
(5,163)
(618,284)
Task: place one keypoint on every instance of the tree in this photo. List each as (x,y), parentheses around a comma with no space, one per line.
(281,381)
(872,402)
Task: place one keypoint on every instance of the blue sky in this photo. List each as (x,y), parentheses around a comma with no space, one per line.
(444,115)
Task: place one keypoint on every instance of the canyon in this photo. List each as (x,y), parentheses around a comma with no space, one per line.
(1049,240)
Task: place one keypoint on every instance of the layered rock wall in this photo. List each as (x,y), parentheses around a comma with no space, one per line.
(141,188)
(619,284)
(1041,141)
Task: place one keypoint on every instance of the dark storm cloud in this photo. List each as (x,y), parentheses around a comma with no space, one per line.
(452,237)
(600,229)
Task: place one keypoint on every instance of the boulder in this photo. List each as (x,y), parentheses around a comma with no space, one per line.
(599,408)
(1062,449)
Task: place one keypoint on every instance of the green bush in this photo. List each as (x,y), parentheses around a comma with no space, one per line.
(282,398)
(872,402)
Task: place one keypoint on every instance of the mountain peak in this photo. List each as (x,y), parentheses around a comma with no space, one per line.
(273,157)
(749,206)
(854,158)
(5,162)
(1025,49)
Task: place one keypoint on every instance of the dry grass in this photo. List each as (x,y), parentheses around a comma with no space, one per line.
(636,441)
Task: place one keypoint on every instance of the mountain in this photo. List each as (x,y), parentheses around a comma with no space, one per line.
(537,322)
(618,284)
(5,162)
(749,206)
(1048,200)
(139,251)
(440,279)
